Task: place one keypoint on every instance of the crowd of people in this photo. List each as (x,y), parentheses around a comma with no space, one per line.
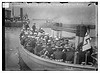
(42,44)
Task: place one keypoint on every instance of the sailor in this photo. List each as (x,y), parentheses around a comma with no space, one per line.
(69,55)
(34,27)
(22,36)
(81,54)
(46,38)
(38,48)
(23,28)
(26,26)
(41,30)
(44,53)
(49,49)
(30,44)
(58,54)
(22,40)
(89,57)
(26,32)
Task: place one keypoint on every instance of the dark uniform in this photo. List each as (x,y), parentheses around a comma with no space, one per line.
(80,54)
(89,57)
(30,44)
(58,54)
(34,27)
(70,56)
(50,50)
(26,26)
(22,38)
(37,49)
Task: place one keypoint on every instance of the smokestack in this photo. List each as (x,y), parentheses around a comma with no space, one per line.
(21,13)
(13,12)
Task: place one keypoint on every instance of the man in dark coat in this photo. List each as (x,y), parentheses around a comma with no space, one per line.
(89,57)
(69,55)
(49,49)
(58,54)
(26,26)
(30,44)
(38,48)
(80,54)
(33,27)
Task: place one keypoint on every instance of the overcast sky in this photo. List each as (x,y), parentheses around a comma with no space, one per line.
(69,13)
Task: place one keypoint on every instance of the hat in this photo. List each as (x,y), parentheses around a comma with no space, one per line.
(22,36)
(49,40)
(48,43)
(46,33)
(28,36)
(58,46)
(35,33)
(28,28)
(32,36)
(31,29)
(56,39)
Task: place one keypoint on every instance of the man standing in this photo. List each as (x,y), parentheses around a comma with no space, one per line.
(34,27)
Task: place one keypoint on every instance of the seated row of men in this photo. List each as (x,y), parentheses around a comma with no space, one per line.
(48,47)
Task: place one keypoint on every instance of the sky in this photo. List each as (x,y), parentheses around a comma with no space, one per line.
(69,13)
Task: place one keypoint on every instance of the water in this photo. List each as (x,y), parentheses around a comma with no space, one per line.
(11,52)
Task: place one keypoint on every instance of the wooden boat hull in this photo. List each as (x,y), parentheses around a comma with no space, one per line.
(35,62)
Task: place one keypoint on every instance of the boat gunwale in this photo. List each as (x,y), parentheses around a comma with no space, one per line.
(59,63)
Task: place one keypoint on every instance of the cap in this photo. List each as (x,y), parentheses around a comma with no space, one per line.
(56,39)
(31,29)
(49,40)
(58,47)
(28,28)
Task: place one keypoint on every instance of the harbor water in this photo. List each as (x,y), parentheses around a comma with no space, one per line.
(11,51)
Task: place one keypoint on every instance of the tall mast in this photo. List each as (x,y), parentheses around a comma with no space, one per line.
(80,33)
(12,11)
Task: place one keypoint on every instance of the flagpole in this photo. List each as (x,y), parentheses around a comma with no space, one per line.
(77,40)
(86,58)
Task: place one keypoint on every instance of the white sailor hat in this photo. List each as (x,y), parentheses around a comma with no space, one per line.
(22,36)
(56,39)
(23,28)
(31,29)
(58,46)
(46,33)
(32,36)
(35,33)
(26,32)
(43,39)
(49,40)
(28,36)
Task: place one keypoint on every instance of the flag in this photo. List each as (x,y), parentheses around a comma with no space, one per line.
(86,43)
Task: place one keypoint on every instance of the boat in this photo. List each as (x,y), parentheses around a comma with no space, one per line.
(35,62)
(14,24)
